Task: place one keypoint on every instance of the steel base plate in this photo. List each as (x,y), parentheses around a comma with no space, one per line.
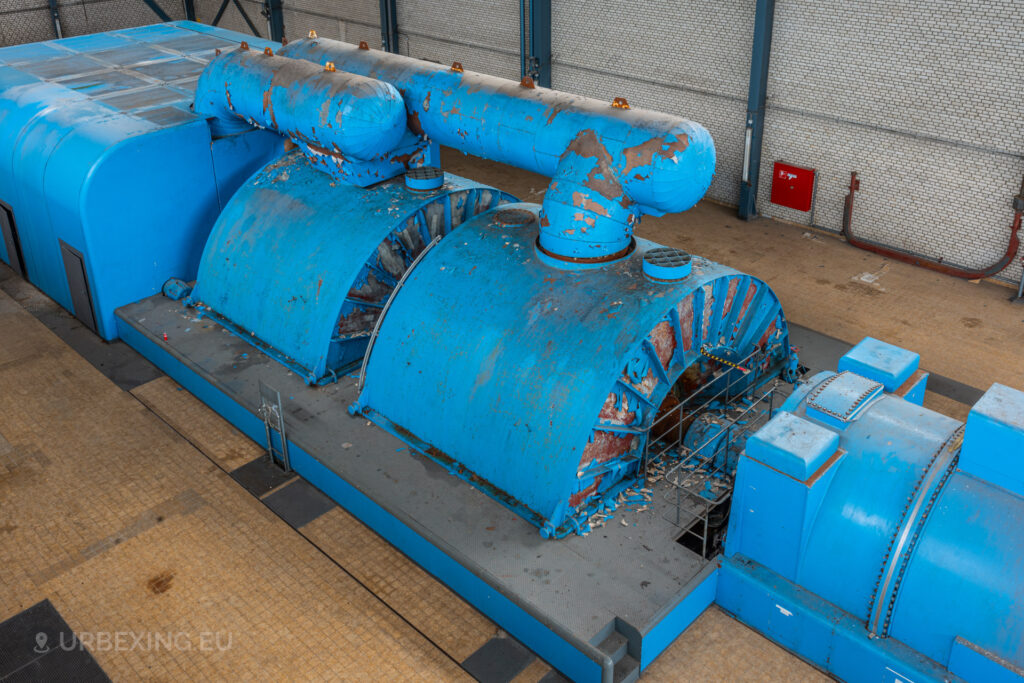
(629,576)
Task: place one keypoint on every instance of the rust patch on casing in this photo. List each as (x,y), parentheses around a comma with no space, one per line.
(767,333)
(621,415)
(686,322)
(664,339)
(730,295)
(645,153)
(751,291)
(606,446)
(580,496)
(585,202)
(601,178)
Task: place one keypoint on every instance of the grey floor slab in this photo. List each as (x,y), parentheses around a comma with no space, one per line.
(631,569)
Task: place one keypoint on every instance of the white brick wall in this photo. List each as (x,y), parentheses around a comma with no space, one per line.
(481,34)
(690,59)
(923,98)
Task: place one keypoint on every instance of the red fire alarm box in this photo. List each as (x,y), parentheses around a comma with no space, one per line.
(793,186)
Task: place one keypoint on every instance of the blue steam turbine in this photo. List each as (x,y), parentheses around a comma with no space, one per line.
(536,352)
(490,327)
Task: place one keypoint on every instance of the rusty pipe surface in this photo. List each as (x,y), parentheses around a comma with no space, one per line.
(327,112)
(609,164)
(1012,245)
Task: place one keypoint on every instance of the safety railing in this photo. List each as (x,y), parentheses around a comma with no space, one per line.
(697,479)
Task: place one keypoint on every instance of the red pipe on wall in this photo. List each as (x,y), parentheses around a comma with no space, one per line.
(909,257)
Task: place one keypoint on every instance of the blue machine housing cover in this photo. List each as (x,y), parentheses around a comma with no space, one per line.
(539,384)
(301,264)
(899,537)
(98,150)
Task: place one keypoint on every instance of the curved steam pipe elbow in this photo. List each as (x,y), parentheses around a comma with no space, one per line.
(609,165)
(586,213)
(325,111)
(600,189)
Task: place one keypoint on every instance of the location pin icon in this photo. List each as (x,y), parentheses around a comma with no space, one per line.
(41,642)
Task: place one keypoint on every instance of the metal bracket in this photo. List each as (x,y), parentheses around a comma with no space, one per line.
(273,420)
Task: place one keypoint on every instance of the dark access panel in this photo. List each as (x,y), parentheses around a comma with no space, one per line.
(78,283)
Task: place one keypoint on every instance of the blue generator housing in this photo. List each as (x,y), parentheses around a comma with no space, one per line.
(880,539)
(109,183)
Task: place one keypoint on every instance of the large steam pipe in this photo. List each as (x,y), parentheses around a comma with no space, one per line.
(608,164)
(329,113)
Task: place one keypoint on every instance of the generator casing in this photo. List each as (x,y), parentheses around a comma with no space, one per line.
(109,183)
(878,538)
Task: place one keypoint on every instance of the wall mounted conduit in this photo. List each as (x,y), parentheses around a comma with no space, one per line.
(916,259)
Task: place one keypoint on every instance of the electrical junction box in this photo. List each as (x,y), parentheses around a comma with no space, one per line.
(793,186)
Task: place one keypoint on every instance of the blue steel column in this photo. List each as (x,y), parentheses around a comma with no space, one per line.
(540,42)
(55,16)
(388,26)
(275,19)
(764,18)
(523,52)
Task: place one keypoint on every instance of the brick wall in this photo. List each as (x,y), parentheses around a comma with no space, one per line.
(482,34)
(924,99)
(657,55)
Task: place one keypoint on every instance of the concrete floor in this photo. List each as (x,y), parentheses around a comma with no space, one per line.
(124,506)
